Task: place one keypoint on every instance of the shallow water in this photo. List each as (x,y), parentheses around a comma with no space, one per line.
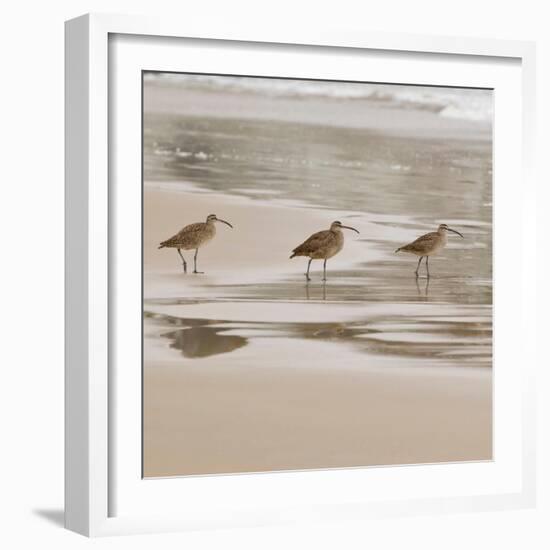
(445,317)
(401,186)
(450,334)
(361,170)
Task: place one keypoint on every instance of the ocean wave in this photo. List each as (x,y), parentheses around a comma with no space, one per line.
(458,103)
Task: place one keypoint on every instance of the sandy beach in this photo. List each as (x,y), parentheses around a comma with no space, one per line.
(354,411)
(256,251)
(247,368)
(235,383)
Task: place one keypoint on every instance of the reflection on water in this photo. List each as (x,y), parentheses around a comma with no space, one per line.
(203,341)
(400,185)
(464,334)
(422,288)
(371,285)
(312,294)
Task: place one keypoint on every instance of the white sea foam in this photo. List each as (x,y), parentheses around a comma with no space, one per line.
(459,103)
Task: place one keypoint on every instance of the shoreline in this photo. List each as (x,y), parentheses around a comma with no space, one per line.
(245,373)
(222,258)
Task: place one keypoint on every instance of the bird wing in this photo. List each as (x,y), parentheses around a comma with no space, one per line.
(423,242)
(191,229)
(187,235)
(316,241)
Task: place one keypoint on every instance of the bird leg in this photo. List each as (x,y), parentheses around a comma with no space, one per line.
(307,273)
(183,260)
(325,270)
(418,266)
(427,268)
(195,262)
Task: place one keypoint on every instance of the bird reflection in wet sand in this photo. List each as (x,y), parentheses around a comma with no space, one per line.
(423,293)
(204,341)
(322,246)
(429,244)
(324,292)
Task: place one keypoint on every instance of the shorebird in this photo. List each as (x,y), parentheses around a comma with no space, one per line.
(322,246)
(429,244)
(193,236)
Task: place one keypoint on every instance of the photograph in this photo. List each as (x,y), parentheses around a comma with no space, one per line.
(317,274)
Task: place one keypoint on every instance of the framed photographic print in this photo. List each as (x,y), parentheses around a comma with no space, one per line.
(290,295)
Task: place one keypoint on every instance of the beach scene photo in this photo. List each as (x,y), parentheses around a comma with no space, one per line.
(317,274)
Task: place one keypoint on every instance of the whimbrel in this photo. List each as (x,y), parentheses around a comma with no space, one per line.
(193,236)
(428,245)
(322,246)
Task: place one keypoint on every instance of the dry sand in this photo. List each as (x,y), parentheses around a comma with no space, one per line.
(335,409)
(265,398)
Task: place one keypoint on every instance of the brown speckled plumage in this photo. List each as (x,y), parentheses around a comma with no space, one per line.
(192,237)
(429,244)
(422,244)
(322,245)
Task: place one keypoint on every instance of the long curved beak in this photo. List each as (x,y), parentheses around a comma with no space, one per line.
(223,221)
(348,227)
(449,229)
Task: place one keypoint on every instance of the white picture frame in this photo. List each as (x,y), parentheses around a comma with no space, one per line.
(90,217)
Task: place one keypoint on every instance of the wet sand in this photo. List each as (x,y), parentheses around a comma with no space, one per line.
(247,368)
(250,253)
